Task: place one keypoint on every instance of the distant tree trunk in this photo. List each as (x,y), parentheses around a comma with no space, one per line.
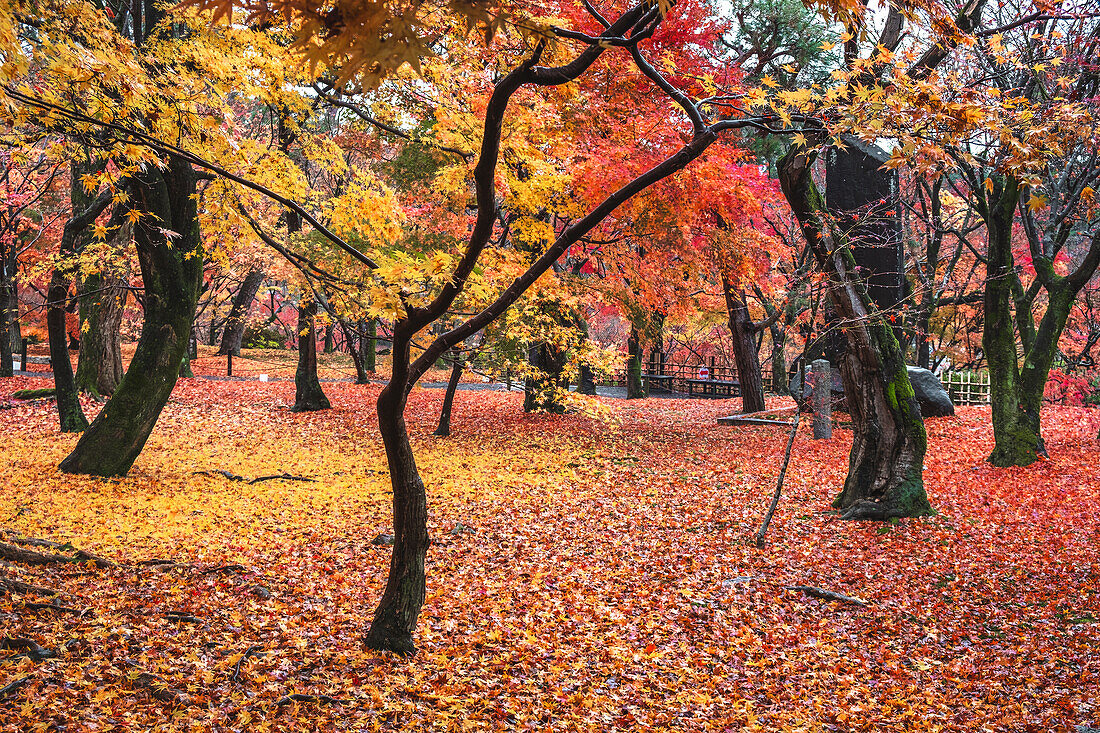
(171,270)
(368,345)
(779,361)
(68,398)
(543,390)
(9,315)
(329,341)
(745,353)
(308,395)
(354,339)
(102,301)
(889,442)
(635,389)
(235,323)
(444,427)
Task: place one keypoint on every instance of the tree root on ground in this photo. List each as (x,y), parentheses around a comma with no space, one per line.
(828,595)
(15,553)
(234,477)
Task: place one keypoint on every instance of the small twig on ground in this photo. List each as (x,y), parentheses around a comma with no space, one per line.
(157,687)
(183,617)
(779,483)
(828,595)
(237,667)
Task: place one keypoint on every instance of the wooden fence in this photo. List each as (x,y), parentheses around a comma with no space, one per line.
(967,388)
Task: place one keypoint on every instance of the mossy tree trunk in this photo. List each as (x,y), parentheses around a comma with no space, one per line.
(1017,385)
(169,249)
(886,461)
(233,334)
(102,301)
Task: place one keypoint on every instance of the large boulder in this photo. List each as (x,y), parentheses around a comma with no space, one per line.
(933,398)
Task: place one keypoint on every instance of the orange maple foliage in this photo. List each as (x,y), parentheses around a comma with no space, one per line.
(583,575)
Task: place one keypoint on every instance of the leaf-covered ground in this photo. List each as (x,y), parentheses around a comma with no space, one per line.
(583,575)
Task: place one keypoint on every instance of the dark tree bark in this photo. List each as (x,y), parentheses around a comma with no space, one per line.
(443,429)
(889,442)
(308,395)
(355,338)
(169,249)
(397,612)
(329,340)
(9,315)
(635,388)
(235,323)
(745,353)
(368,345)
(543,390)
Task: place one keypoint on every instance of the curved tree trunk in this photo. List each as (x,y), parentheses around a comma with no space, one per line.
(395,618)
(308,395)
(233,335)
(444,427)
(886,461)
(169,251)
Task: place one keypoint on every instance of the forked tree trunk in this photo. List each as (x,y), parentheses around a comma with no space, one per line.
(233,335)
(169,249)
(745,354)
(70,414)
(99,365)
(635,389)
(443,429)
(1016,386)
(886,461)
(308,395)
(395,618)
